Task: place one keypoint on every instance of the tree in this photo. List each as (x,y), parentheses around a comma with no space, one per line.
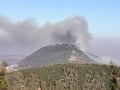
(3,81)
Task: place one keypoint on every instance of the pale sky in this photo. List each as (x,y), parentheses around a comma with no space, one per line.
(103,16)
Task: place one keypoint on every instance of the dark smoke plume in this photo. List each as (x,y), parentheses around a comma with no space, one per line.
(25,37)
(28,35)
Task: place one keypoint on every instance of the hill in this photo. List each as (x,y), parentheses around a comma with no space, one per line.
(71,76)
(55,54)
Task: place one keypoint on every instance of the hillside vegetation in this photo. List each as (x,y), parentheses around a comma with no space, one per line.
(66,77)
(55,54)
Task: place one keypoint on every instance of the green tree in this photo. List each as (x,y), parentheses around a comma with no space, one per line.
(115,80)
(3,81)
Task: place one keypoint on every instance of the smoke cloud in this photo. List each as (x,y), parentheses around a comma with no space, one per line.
(29,35)
(25,37)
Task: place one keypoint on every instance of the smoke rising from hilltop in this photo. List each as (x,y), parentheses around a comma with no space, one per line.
(25,37)
(29,34)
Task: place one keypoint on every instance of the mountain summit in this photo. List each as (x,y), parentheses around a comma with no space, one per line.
(54,54)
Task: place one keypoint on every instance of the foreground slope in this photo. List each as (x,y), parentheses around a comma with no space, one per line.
(69,76)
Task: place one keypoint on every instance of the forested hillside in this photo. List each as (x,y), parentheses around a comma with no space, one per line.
(66,77)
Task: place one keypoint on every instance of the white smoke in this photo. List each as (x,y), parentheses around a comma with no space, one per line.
(109,60)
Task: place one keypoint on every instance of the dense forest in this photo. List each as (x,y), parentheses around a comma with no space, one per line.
(69,76)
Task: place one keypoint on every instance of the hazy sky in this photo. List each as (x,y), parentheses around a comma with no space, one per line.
(103,16)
